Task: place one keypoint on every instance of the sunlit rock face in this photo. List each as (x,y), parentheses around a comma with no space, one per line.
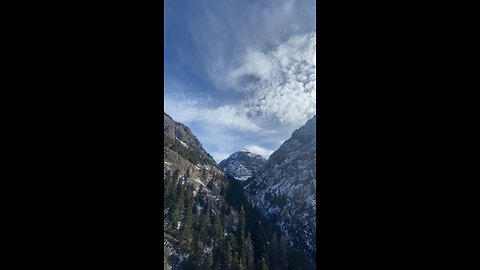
(184,154)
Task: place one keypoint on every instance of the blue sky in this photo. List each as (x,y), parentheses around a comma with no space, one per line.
(240,74)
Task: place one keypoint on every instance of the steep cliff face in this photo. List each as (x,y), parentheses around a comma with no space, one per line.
(184,153)
(284,189)
(242,165)
(193,189)
(182,134)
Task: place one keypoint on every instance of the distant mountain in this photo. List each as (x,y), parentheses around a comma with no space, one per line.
(284,189)
(242,165)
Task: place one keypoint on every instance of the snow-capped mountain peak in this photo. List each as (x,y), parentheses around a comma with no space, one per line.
(243,164)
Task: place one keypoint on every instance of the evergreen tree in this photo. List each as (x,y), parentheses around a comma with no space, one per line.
(298,260)
(173,188)
(218,231)
(250,253)
(204,223)
(187,231)
(264,265)
(189,195)
(210,184)
(198,254)
(259,241)
(241,234)
(283,254)
(236,260)
(219,258)
(165,259)
(167,179)
(241,267)
(178,208)
(199,197)
(208,263)
(273,252)
(245,248)
(229,251)
(224,208)
(170,191)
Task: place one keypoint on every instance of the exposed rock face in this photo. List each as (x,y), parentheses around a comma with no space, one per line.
(242,164)
(197,177)
(185,154)
(284,189)
(181,133)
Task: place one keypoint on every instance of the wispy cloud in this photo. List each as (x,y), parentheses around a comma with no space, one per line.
(259,150)
(259,58)
(225,116)
(283,86)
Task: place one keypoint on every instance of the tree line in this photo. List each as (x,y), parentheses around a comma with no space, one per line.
(233,236)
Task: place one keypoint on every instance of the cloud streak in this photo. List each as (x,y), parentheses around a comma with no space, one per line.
(259,150)
(225,116)
(256,61)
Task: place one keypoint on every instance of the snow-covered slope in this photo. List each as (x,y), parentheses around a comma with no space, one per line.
(284,189)
(242,165)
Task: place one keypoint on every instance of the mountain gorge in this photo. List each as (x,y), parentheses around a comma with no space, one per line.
(243,212)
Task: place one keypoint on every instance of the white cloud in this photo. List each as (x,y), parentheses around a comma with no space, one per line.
(225,33)
(255,63)
(188,110)
(259,150)
(285,84)
(264,52)
(279,100)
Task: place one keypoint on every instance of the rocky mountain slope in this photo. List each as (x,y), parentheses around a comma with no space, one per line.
(242,165)
(208,221)
(190,173)
(184,153)
(284,189)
